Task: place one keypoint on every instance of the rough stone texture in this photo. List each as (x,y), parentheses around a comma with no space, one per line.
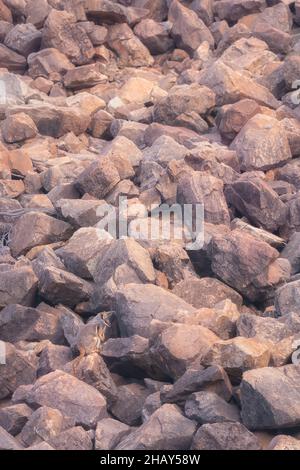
(224,436)
(270,398)
(167,428)
(69,395)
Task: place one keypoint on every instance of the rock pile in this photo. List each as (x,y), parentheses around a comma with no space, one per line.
(161,102)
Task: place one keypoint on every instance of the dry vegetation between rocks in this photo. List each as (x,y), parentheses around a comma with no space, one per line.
(141,344)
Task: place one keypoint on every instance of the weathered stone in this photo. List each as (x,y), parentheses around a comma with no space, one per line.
(181,100)
(20,369)
(42,425)
(167,428)
(18,284)
(109,433)
(195,379)
(230,86)
(36,228)
(129,49)
(233,10)
(262,329)
(224,436)
(283,442)
(233,117)
(208,407)
(11,60)
(138,304)
(238,355)
(14,417)
(98,179)
(63,33)
(292,253)
(287,298)
(202,188)
(270,398)
(7,442)
(75,438)
(18,323)
(53,357)
(254,199)
(70,396)
(177,347)
(188,29)
(127,252)
(230,255)
(85,76)
(83,250)
(23,39)
(154,36)
(18,127)
(205,292)
(261,144)
(129,403)
(54,120)
(59,286)
(47,62)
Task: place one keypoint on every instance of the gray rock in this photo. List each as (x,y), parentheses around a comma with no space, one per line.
(270,398)
(109,432)
(167,428)
(224,436)
(209,408)
(137,305)
(69,395)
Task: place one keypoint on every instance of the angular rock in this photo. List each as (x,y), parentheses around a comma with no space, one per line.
(42,425)
(7,442)
(11,60)
(202,188)
(129,403)
(75,438)
(14,417)
(83,250)
(262,144)
(233,10)
(224,436)
(63,33)
(19,369)
(270,398)
(70,396)
(209,408)
(287,298)
(154,36)
(23,39)
(18,284)
(167,428)
(129,49)
(257,201)
(238,355)
(137,305)
(47,62)
(59,286)
(18,127)
(213,379)
(205,292)
(36,228)
(231,257)
(85,76)
(98,179)
(109,433)
(182,100)
(177,347)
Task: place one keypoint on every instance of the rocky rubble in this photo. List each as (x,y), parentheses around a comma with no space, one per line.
(163,102)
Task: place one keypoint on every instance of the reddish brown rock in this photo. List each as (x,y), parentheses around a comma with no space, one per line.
(63,33)
(18,127)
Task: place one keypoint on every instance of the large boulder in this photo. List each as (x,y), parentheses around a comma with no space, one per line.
(69,395)
(167,428)
(137,305)
(63,33)
(262,144)
(270,398)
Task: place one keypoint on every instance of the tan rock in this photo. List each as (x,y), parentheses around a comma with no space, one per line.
(18,127)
